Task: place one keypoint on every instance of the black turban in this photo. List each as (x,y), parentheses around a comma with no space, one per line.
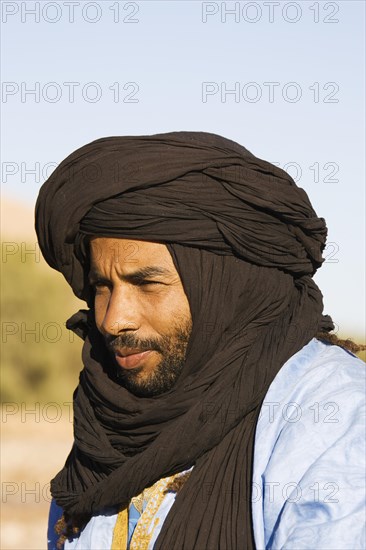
(245,241)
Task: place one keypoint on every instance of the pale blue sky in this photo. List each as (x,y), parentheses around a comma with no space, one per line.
(169,53)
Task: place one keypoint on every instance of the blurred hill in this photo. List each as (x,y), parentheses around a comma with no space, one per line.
(40,364)
(17,220)
(40,357)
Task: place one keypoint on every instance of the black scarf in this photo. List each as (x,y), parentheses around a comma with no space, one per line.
(245,241)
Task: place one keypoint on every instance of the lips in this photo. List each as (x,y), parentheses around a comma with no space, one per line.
(131,359)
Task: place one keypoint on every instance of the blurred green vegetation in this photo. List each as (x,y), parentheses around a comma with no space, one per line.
(41,359)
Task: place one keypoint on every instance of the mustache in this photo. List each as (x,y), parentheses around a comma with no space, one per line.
(129,341)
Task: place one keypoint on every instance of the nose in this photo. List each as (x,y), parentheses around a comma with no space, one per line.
(122,312)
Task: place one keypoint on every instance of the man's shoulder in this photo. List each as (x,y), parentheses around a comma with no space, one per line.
(332,384)
(338,360)
(319,372)
(316,399)
(308,481)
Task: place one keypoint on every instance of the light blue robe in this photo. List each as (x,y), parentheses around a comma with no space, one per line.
(309,461)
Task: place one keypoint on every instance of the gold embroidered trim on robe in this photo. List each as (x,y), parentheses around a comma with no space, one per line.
(120,532)
(145,526)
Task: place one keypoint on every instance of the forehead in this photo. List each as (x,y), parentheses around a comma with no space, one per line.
(128,252)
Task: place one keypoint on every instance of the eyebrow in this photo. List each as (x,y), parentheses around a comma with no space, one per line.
(135,276)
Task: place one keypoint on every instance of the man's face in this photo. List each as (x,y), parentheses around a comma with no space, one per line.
(142,311)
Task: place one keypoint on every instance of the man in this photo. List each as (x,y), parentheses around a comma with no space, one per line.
(196,261)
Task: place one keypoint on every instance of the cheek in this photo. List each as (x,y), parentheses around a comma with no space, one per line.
(101,302)
(172,307)
(180,301)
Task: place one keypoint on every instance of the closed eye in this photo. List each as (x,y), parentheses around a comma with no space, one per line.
(98,284)
(144,283)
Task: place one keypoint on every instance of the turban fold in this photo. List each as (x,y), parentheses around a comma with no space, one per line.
(245,241)
(193,188)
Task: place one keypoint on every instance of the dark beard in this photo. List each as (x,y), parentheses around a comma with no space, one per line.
(163,377)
